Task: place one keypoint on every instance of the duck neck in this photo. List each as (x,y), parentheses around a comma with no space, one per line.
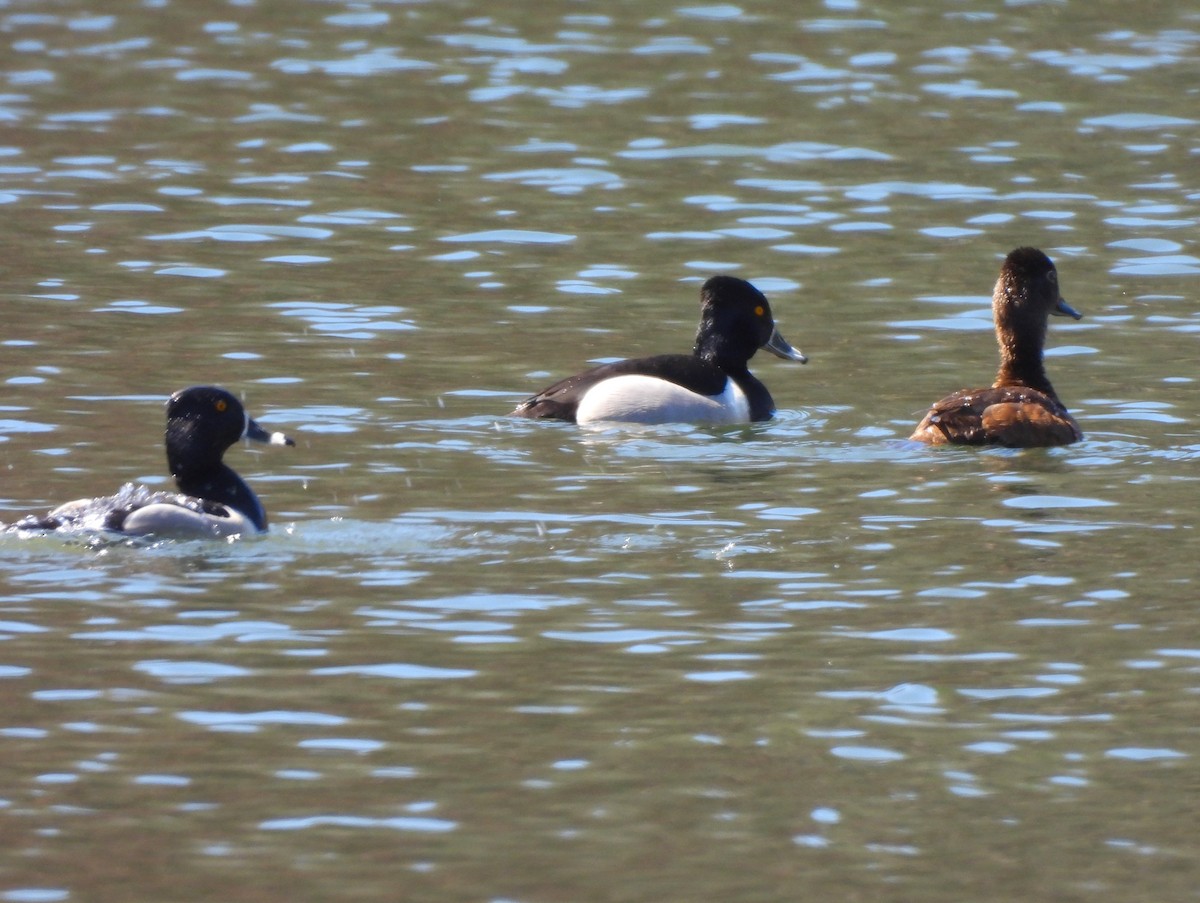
(720,350)
(220,483)
(1021,365)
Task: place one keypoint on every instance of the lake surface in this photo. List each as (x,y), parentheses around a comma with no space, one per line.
(484,659)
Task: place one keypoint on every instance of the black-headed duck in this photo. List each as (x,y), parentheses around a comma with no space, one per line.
(711,385)
(213,501)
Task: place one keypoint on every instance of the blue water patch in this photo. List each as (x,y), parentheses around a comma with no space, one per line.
(396,671)
(394,823)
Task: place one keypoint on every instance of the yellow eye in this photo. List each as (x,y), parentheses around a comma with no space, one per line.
(221,405)
(758,311)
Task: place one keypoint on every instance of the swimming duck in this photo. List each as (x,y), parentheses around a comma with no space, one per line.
(213,501)
(711,385)
(1020,409)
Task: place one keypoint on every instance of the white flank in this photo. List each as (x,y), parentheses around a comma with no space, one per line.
(633,398)
(175,521)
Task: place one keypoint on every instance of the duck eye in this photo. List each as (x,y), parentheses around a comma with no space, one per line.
(220,405)
(1052,276)
(758,311)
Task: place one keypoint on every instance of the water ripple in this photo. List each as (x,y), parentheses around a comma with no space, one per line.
(394,823)
(255,720)
(511,236)
(381,61)
(397,671)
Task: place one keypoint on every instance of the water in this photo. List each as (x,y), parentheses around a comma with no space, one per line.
(479,658)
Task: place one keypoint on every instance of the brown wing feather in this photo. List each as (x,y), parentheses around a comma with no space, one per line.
(1014,416)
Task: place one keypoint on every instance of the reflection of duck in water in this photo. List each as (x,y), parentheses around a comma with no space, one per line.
(202,422)
(1020,409)
(713,384)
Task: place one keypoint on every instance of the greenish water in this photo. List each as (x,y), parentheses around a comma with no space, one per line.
(479,658)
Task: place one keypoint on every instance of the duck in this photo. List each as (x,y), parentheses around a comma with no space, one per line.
(1020,409)
(213,501)
(712,385)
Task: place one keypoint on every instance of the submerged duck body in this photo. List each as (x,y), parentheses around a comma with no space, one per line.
(1020,409)
(711,385)
(213,501)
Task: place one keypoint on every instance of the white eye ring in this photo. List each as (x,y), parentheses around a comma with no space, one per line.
(1052,276)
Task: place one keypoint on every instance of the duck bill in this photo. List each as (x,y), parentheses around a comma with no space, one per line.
(779,347)
(1063,309)
(256,433)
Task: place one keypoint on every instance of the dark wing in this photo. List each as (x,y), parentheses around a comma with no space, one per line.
(1014,416)
(560,400)
(107,512)
(957,418)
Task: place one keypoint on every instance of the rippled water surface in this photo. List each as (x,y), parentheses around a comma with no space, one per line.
(485,659)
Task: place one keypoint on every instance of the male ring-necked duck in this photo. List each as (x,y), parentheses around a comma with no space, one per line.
(202,422)
(711,385)
(1020,409)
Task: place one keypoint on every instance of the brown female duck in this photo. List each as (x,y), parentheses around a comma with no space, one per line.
(1020,409)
